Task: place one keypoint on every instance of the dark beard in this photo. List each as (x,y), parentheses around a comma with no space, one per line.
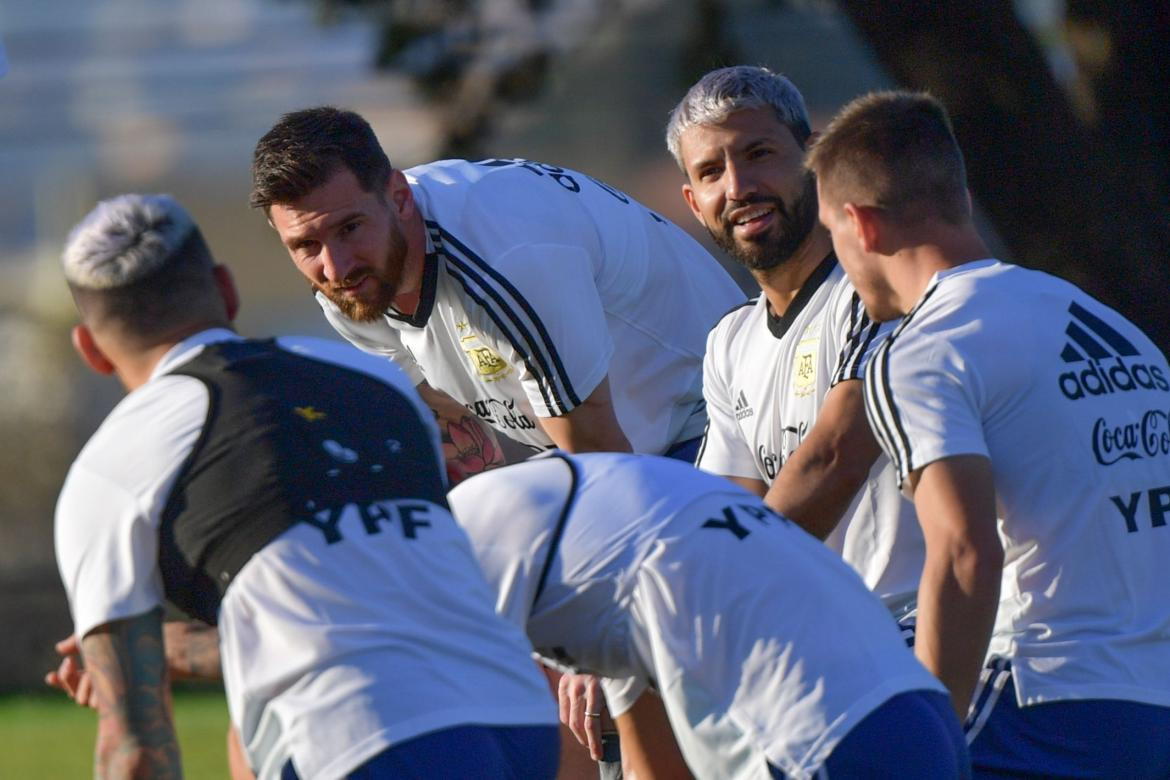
(793,225)
(386,289)
(363,311)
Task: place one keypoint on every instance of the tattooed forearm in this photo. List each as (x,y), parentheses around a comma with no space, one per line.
(470,444)
(136,736)
(192,650)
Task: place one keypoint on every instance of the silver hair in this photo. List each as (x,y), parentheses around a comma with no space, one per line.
(125,239)
(722,92)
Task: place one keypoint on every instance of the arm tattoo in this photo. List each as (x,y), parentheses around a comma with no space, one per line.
(192,649)
(136,735)
(469,443)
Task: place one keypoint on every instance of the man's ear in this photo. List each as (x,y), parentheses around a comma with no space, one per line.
(689,196)
(399,195)
(226,284)
(865,221)
(88,350)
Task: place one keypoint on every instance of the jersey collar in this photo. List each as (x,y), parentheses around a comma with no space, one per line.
(780,325)
(426,294)
(190,347)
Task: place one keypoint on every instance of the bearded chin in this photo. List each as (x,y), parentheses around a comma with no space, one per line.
(778,245)
(362,311)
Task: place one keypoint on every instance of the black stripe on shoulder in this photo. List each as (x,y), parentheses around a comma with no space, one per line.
(554,403)
(733,310)
(883,400)
(541,346)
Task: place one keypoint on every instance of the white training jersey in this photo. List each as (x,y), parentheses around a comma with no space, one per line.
(540,282)
(330,652)
(1071,403)
(765,378)
(764,646)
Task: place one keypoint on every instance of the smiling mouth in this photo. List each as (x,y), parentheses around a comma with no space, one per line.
(752,215)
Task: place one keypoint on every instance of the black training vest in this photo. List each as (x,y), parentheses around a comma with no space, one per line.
(286,437)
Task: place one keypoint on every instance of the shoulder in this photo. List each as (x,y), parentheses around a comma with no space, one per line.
(147,435)
(345,356)
(734,320)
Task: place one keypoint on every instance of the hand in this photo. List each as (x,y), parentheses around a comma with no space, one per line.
(71,676)
(582,709)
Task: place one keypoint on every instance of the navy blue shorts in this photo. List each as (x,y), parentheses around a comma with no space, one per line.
(506,752)
(912,736)
(1071,738)
(684,450)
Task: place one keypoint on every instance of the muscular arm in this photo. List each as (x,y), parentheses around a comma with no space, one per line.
(817,483)
(959,591)
(468,445)
(591,427)
(126,663)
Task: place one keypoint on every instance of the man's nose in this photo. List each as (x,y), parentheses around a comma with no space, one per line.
(336,263)
(741,185)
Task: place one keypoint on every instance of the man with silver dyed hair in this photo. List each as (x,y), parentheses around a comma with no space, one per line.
(780,372)
(722,92)
(290,492)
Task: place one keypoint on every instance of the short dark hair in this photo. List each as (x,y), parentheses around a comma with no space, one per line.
(305,148)
(895,150)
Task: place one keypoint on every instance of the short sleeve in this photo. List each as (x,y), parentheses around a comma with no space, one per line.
(724,450)
(620,694)
(554,326)
(376,338)
(107,552)
(107,518)
(858,335)
(922,398)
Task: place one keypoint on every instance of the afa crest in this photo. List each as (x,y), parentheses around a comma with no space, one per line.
(804,367)
(486,361)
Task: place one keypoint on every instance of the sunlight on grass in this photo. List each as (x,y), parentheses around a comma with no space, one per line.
(49,737)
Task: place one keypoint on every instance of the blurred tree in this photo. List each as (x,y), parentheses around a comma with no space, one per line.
(1080,194)
(1076,183)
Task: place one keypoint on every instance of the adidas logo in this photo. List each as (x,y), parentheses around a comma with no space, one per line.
(742,408)
(1109,357)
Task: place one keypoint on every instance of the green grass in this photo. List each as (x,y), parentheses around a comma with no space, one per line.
(47,737)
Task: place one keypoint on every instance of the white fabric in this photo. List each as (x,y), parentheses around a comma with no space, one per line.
(763,397)
(765,647)
(996,361)
(548,281)
(331,653)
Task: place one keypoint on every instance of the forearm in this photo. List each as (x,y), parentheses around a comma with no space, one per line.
(649,749)
(958,594)
(815,487)
(591,427)
(136,736)
(469,444)
(957,601)
(819,480)
(192,650)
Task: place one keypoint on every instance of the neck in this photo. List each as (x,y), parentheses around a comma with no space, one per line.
(915,265)
(134,365)
(406,298)
(781,283)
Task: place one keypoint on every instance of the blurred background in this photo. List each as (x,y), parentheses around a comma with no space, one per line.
(1061,107)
